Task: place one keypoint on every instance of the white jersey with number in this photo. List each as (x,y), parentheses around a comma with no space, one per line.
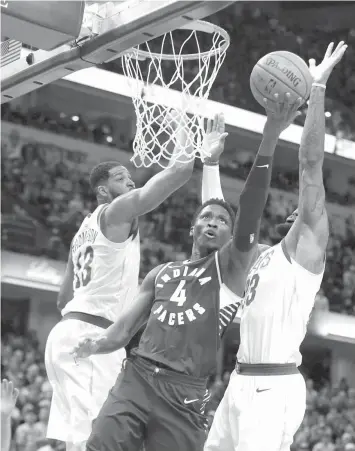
(105,273)
(279,298)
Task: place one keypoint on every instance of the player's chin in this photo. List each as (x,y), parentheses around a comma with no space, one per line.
(283,229)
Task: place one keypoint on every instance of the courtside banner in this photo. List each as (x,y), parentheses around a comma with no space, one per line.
(31,272)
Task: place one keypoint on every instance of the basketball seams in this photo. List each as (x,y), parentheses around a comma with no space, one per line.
(281,81)
(292,62)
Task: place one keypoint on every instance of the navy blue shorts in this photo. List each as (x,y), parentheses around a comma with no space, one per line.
(158,408)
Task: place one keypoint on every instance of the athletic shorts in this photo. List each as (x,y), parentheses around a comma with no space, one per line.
(258,413)
(79,389)
(159,408)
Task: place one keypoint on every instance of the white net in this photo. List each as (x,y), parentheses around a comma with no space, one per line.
(186,64)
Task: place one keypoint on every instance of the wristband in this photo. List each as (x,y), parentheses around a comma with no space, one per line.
(320,85)
(207,162)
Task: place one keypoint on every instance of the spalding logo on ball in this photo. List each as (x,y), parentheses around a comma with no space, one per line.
(280,72)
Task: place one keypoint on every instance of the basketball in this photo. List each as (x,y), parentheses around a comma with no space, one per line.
(280,72)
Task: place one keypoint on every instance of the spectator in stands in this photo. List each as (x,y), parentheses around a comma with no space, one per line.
(9,396)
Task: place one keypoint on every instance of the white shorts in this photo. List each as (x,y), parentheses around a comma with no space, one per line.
(79,390)
(258,413)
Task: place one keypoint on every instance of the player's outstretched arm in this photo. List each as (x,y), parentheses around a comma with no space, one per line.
(307,240)
(214,143)
(122,331)
(143,200)
(66,289)
(243,247)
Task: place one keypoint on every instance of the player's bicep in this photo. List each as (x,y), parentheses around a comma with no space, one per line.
(143,200)
(235,266)
(66,289)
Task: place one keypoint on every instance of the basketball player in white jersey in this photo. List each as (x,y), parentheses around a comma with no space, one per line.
(265,401)
(100,280)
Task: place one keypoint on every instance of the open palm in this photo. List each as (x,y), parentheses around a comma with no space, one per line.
(214,139)
(9,396)
(331,58)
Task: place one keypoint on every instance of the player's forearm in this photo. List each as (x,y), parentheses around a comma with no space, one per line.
(115,337)
(5,432)
(211,182)
(312,141)
(182,158)
(255,192)
(119,334)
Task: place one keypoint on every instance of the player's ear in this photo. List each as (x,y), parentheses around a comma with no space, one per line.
(191,231)
(102,191)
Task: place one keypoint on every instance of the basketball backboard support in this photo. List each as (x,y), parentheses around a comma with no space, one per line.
(124,25)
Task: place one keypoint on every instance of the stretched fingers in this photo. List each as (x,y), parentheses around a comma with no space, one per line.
(221,123)
(329,50)
(209,126)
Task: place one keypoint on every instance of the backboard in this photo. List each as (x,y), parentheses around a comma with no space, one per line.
(108,30)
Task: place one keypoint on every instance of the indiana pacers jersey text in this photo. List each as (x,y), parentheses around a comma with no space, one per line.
(105,273)
(279,298)
(191,311)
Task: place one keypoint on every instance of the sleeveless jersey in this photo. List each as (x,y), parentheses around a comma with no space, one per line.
(275,311)
(105,273)
(191,311)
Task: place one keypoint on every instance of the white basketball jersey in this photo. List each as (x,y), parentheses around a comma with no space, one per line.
(279,298)
(105,273)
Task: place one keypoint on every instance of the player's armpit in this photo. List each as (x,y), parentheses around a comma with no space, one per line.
(143,200)
(66,289)
(132,318)
(307,244)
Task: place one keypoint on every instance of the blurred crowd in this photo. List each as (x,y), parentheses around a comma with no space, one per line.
(329,421)
(328,424)
(23,363)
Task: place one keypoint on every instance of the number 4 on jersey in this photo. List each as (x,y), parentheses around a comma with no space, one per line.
(179,295)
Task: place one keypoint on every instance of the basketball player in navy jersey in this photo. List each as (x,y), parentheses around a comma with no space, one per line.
(160,396)
(266,397)
(101,279)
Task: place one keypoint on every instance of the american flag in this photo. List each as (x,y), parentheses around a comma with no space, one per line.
(10,51)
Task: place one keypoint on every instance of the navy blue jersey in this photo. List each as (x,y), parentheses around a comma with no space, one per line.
(191,310)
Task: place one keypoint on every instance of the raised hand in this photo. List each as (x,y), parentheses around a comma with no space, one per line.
(176,120)
(331,58)
(283,113)
(85,348)
(9,396)
(214,139)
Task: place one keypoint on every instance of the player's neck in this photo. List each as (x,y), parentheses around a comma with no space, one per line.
(197,254)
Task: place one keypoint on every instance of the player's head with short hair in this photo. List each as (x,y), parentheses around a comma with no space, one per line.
(212,226)
(109,180)
(283,228)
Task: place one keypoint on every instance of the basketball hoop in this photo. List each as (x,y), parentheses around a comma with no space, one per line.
(189,76)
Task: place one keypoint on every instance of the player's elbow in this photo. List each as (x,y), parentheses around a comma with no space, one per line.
(311,161)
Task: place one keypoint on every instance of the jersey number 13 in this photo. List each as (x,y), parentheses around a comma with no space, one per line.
(82,270)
